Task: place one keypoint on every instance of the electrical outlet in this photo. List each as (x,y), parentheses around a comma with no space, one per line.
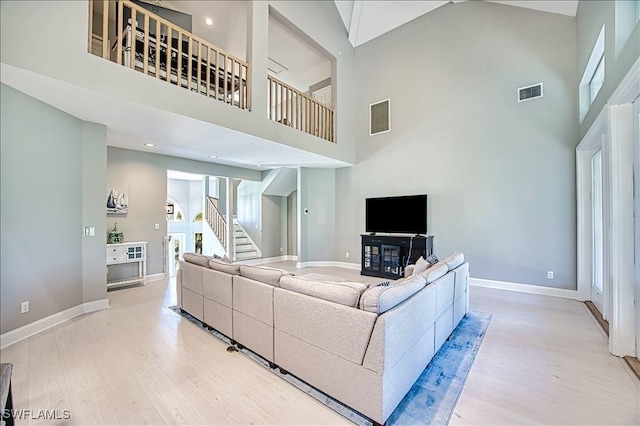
(549,275)
(86,231)
(346,254)
(281,250)
(24,307)
(92,231)
(157,226)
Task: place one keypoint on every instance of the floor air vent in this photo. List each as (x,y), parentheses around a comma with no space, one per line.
(530,92)
(380,117)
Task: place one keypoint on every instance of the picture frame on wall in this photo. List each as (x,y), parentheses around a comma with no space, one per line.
(117,199)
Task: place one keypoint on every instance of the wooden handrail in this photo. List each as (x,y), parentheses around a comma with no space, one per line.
(216,221)
(216,74)
(291,107)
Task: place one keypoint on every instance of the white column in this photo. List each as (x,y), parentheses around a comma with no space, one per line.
(258,53)
(620,213)
(230,247)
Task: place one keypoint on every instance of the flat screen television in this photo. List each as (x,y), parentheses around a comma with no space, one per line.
(397,215)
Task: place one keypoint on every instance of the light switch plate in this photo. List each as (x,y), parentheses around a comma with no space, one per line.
(92,231)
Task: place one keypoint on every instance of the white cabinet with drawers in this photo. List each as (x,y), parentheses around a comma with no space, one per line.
(128,253)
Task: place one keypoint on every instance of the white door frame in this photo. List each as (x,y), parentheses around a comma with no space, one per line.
(597,246)
(613,131)
(175,236)
(636,137)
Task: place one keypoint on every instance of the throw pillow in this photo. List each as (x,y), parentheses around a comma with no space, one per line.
(226,259)
(421,266)
(432,259)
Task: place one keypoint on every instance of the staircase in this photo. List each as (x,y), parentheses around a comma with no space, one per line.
(216,220)
(245,248)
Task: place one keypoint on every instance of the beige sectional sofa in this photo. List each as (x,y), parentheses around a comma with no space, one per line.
(364,345)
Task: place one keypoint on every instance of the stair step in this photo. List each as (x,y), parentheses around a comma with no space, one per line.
(245,249)
(242,240)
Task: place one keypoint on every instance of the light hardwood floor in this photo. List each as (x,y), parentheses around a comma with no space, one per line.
(543,361)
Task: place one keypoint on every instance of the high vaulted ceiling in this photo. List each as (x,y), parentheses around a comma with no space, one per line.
(366,19)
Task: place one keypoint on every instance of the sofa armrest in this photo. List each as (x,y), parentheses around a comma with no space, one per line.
(408,271)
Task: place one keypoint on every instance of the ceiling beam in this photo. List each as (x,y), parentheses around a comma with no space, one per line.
(356,13)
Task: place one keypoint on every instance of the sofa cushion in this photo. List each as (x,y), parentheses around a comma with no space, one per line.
(436,271)
(263,274)
(380,299)
(221,266)
(196,259)
(344,292)
(454,260)
(421,266)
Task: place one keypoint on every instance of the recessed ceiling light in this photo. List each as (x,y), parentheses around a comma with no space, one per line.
(150,144)
(209,22)
(259,165)
(213,156)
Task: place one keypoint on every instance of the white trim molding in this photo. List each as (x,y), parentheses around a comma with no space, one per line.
(21,333)
(267,260)
(612,132)
(156,277)
(620,213)
(525,288)
(328,264)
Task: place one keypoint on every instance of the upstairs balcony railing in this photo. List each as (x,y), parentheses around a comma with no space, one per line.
(293,108)
(145,42)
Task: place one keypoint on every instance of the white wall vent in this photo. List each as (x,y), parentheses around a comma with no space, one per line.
(275,66)
(530,92)
(380,117)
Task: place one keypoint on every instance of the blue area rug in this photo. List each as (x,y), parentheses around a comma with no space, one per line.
(432,398)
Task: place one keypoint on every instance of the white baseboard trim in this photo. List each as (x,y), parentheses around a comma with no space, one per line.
(156,277)
(328,264)
(21,333)
(96,305)
(525,288)
(267,260)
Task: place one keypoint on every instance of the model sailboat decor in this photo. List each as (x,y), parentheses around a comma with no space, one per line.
(117,198)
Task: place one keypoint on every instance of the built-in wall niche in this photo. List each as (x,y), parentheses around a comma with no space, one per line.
(197,238)
(174,211)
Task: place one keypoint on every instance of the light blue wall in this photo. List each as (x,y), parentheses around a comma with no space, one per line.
(51,186)
(621,50)
(500,175)
(146,175)
(317,229)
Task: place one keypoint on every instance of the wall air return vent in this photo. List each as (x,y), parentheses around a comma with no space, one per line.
(380,117)
(530,92)
(275,66)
